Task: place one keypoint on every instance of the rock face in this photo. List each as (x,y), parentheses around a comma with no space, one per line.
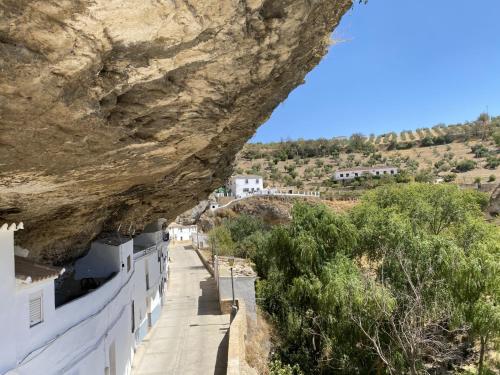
(115,112)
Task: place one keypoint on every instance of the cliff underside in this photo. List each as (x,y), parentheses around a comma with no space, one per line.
(117,112)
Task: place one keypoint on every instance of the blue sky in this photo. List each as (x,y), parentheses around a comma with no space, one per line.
(402,64)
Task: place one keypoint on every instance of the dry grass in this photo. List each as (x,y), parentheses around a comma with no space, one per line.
(259,343)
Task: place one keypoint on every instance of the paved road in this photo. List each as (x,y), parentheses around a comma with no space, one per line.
(191,335)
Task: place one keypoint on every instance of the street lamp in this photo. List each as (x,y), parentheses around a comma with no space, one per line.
(234,308)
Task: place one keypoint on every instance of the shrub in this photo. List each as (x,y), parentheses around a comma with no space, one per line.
(426,141)
(492,178)
(424,176)
(496,138)
(465,165)
(449,177)
(480,151)
(492,162)
(404,145)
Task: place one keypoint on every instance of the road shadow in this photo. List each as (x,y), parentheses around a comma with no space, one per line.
(208,302)
(221,360)
(188,247)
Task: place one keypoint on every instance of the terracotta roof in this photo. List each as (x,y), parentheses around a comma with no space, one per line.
(25,269)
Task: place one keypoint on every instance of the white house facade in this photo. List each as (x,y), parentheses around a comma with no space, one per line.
(181,233)
(243,185)
(352,173)
(87,319)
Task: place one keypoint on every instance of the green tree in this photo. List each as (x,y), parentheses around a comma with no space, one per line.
(389,287)
(220,238)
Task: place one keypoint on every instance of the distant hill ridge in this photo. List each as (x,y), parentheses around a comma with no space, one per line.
(483,128)
(467,154)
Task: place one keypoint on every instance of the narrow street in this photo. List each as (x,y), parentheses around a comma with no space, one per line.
(191,334)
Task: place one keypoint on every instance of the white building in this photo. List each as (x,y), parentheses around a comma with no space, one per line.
(87,319)
(243,185)
(181,233)
(352,173)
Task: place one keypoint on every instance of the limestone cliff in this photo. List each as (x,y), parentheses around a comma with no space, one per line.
(114,112)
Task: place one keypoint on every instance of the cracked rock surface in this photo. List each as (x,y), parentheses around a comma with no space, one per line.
(117,112)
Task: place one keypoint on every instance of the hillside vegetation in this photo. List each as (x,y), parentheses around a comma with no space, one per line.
(405,282)
(461,153)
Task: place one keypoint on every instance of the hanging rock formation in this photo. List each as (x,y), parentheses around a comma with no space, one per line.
(115,112)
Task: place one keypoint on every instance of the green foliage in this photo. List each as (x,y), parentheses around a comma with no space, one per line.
(492,178)
(480,151)
(389,287)
(427,141)
(449,177)
(465,165)
(424,176)
(492,162)
(241,236)
(220,239)
(276,367)
(496,138)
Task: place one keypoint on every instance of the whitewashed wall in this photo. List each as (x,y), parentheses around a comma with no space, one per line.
(75,338)
(7,298)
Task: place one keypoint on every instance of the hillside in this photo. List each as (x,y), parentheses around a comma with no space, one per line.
(460,153)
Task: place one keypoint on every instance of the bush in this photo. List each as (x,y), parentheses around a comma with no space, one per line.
(492,162)
(492,178)
(424,176)
(404,145)
(449,177)
(496,138)
(480,151)
(465,165)
(426,141)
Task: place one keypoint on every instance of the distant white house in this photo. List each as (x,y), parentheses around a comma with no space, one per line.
(352,173)
(181,233)
(87,319)
(243,185)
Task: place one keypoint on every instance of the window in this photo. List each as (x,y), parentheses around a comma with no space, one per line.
(147,273)
(245,190)
(385,172)
(246,181)
(347,174)
(257,180)
(356,174)
(341,175)
(377,173)
(392,172)
(36,312)
(129,264)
